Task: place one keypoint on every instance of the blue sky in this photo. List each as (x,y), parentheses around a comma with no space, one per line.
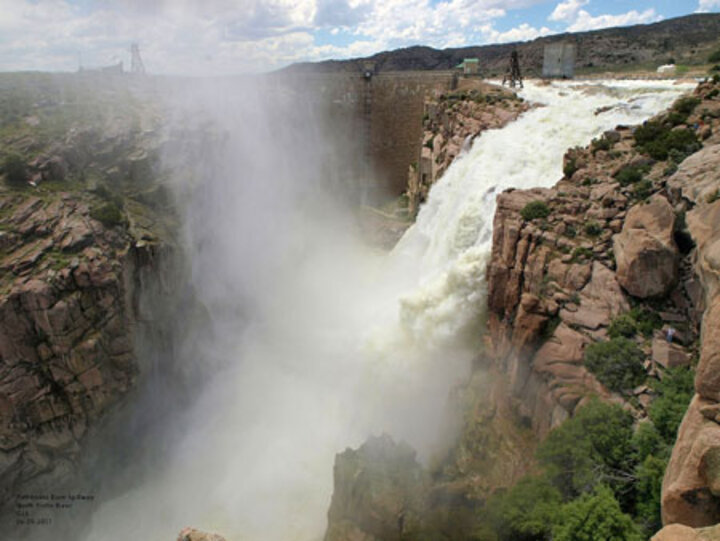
(235,36)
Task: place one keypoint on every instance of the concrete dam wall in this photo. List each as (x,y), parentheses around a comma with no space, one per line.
(380,116)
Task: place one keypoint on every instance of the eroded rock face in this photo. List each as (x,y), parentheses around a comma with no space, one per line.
(66,338)
(691,487)
(646,254)
(378,494)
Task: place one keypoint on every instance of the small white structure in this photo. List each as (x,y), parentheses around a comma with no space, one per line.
(667,69)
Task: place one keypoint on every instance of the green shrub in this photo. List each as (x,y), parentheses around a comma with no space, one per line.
(593,229)
(108,214)
(675,118)
(630,174)
(15,169)
(581,253)
(570,232)
(527,511)
(686,105)
(617,363)
(647,441)
(714,196)
(714,57)
(535,209)
(646,320)
(674,392)
(657,140)
(649,474)
(595,517)
(600,143)
(643,189)
(592,447)
(569,167)
(623,325)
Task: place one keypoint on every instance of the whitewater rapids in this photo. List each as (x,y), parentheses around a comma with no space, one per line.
(344,342)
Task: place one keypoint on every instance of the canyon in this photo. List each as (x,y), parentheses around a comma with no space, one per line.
(92,250)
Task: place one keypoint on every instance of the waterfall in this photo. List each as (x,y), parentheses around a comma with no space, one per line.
(323,341)
(446,250)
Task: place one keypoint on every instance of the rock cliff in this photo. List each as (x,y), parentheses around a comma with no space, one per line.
(691,489)
(83,215)
(450,124)
(623,252)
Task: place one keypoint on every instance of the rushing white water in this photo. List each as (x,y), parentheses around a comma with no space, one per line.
(343,342)
(446,249)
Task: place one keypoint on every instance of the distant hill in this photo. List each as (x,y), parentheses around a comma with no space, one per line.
(684,40)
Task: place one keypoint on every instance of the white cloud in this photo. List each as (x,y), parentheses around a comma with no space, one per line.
(585,21)
(705,6)
(230,36)
(567,11)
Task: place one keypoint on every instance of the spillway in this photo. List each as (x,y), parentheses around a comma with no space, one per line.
(336,342)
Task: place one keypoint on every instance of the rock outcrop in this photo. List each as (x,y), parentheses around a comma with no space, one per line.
(78,226)
(66,339)
(451,123)
(645,251)
(379,492)
(691,489)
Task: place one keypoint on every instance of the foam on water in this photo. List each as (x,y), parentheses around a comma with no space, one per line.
(446,250)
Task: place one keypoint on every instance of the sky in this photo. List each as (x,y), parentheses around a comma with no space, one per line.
(223,37)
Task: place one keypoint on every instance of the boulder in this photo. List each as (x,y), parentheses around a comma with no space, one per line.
(645,251)
(678,532)
(669,355)
(691,487)
(698,176)
(600,301)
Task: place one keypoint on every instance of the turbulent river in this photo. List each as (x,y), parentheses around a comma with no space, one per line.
(335,341)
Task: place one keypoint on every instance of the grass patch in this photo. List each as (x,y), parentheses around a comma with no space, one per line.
(593,229)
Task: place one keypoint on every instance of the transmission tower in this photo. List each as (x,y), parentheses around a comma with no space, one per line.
(136,63)
(513,76)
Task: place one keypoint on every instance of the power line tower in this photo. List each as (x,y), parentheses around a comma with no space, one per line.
(513,76)
(136,63)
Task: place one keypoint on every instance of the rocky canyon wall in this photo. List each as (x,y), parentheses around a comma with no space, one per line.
(627,236)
